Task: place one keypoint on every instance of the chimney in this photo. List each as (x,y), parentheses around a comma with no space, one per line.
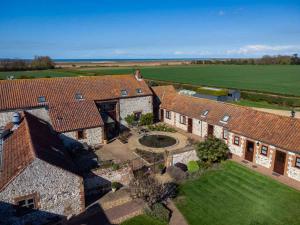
(138,75)
(293,113)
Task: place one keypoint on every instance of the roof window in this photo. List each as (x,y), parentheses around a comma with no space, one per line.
(124,92)
(139,91)
(79,96)
(204,113)
(225,119)
(41,99)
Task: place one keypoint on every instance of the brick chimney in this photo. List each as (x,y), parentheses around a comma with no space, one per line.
(138,75)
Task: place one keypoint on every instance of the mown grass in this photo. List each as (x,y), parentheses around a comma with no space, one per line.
(235,195)
(143,220)
(281,79)
(260,104)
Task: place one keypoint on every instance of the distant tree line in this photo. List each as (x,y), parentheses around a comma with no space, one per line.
(265,60)
(38,63)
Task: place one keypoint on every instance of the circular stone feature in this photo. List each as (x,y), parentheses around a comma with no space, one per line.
(157,141)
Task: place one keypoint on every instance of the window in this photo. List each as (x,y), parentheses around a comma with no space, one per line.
(168,115)
(137,116)
(182,119)
(41,99)
(236,140)
(225,134)
(264,150)
(78,96)
(26,204)
(80,134)
(204,113)
(139,91)
(124,92)
(297,162)
(225,119)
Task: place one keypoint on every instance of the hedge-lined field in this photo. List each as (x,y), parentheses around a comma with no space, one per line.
(281,79)
(235,195)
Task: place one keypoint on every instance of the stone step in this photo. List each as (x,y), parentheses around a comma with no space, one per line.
(114,199)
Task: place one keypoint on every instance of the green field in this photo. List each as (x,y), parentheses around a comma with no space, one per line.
(281,79)
(236,195)
(143,220)
(260,104)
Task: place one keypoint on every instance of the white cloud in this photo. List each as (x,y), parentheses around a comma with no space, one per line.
(192,53)
(259,49)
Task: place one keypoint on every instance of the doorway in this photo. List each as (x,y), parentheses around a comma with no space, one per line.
(279,162)
(190,125)
(249,151)
(210,130)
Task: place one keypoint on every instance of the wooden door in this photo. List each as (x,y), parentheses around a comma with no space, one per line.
(210,131)
(279,162)
(190,125)
(162,116)
(249,152)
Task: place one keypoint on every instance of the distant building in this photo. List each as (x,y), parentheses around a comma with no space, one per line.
(38,180)
(216,94)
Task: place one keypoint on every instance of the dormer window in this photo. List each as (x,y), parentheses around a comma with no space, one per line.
(124,92)
(139,91)
(41,99)
(225,119)
(79,96)
(204,113)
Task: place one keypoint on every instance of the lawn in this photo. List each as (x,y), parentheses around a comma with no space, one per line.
(281,79)
(235,195)
(143,220)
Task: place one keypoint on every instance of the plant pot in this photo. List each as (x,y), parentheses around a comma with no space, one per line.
(114,189)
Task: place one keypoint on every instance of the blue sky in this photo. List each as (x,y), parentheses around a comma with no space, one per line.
(148,29)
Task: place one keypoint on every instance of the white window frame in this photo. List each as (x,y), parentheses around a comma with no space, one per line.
(182,119)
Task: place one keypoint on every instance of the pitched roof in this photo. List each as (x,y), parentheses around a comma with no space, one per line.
(24,93)
(280,131)
(32,139)
(74,116)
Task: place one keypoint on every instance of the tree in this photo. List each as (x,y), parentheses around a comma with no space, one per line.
(212,150)
(150,190)
(42,62)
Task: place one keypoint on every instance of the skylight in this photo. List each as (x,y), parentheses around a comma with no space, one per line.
(78,96)
(139,91)
(204,113)
(124,92)
(41,99)
(225,119)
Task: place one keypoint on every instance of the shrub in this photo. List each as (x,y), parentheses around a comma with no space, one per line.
(146,119)
(158,211)
(193,166)
(115,166)
(212,150)
(115,185)
(161,127)
(176,174)
(130,119)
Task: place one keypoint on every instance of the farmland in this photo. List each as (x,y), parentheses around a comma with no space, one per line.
(278,79)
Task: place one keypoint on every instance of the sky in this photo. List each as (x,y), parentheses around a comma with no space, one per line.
(148,29)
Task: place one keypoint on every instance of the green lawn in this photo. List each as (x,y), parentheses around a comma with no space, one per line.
(143,220)
(281,79)
(235,195)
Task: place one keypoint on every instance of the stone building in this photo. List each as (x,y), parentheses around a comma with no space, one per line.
(82,109)
(38,180)
(267,140)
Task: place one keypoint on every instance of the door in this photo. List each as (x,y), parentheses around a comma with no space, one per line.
(210,131)
(162,116)
(279,162)
(249,151)
(190,125)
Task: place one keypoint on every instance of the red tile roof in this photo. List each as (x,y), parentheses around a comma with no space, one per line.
(32,139)
(66,112)
(280,131)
